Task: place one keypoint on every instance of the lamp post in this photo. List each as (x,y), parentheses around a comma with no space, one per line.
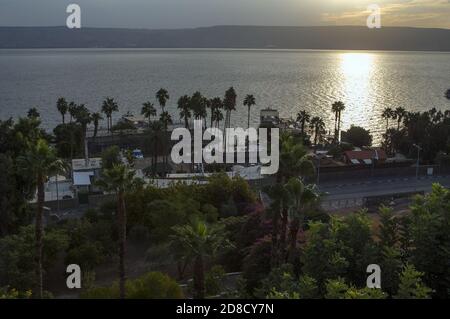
(418,160)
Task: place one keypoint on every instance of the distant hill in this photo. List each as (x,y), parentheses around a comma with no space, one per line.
(328,37)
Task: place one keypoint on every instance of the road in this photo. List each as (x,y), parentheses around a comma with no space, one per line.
(342,194)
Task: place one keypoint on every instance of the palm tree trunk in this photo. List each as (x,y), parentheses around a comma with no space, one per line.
(248,119)
(284,223)
(122,221)
(293,233)
(38,235)
(199,278)
(63,119)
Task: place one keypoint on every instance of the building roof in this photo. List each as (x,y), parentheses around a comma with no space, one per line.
(82,178)
(80,164)
(366,155)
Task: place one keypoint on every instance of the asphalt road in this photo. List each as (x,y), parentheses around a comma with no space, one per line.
(358,189)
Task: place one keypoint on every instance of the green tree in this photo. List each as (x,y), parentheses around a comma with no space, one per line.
(199,241)
(62,107)
(40,161)
(185,110)
(317,125)
(249,101)
(33,113)
(162,96)
(108,107)
(357,136)
(148,110)
(411,285)
(119,179)
(216,113)
(387,114)
(229,105)
(303,118)
(96,118)
(337,108)
(399,115)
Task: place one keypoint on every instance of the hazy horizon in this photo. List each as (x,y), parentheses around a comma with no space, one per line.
(180,14)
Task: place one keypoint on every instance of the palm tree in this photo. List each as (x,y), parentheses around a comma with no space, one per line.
(33,113)
(216,105)
(185,111)
(162,96)
(118,180)
(400,114)
(156,128)
(108,107)
(148,110)
(447,94)
(249,101)
(200,241)
(83,117)
(96,118)
(217,117)
(317,125)
(229,104)
(72,109)
(387,114)
(40,161)
(337,108)
(300,198)
(165,120)
(62,107)
(303,117)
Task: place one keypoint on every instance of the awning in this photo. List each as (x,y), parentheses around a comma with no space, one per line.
(367,161)
(82,178)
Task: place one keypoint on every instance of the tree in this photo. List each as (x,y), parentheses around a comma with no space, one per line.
(229,104)
(185,110)
(411,285)
(165,120)
(357,136)
(216,105)
(199,241)
(119,179)
(337,108)
(447,94)
(108,107)
(33,113)
(72,109)
(249,101)
(387,114)
(162,96)
(62,107)
(399,115)
(83,117)
(303,117)
(388,227)
(148,110)
(338,289)
(318,126)
(96,118)
(40,161)
(430,238)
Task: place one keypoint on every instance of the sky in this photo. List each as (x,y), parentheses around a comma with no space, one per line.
(162,14)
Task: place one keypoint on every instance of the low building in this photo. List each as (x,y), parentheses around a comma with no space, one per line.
(84,171)
(365,157)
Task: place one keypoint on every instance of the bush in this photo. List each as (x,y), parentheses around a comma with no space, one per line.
(153,285)
(214,281)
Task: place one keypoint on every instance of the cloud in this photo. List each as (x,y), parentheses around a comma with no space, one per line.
(417,13)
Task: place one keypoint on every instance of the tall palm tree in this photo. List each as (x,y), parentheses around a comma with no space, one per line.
(41,162)
(62,107)
(387,114)
(337,108)
(200,241)
(317,125)
(249,101)
(300,198)
(216,105)
(447,94)
(148,110)
(83,117)
(303,117)
(96,118)
(165,120)
(118,180)
(162,96)
(217,117)
(400,114)
(156,130)
(72,109)
(108,107)
(229,105)
(185,110)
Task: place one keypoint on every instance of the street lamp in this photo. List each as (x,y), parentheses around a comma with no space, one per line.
(418,159)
